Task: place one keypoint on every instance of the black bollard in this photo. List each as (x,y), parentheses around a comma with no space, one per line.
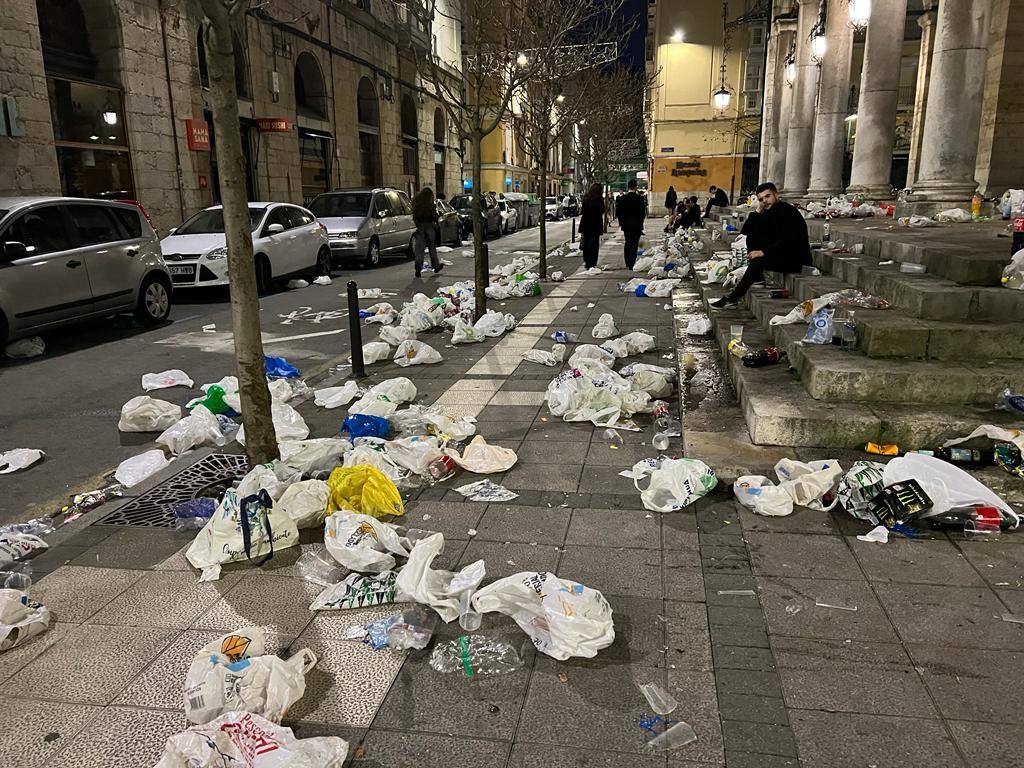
(355,331)
(574,229)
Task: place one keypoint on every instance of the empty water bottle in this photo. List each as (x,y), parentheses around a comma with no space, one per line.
(475,655)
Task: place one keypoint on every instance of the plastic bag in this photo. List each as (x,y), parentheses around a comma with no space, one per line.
(486,491)
(916,221)
(1013,273)
(819,330)
(760,494)
(364,489)
(147,414)
(552,358)
(464,333)
(674,483)
(374,405)
(357,591)
(33,346)
(698,326)
(365,425)
(279,368)
(415,453)
(171,378)
(305,502)
(288,424)
(859,486)
(643,264)
(362,543)
(592,352)
(946,485)
(593,392)
(638,342)
(245,740)
(803,311)
(16,545)
(297,283)
(483,458)
(953,216)
(654,384)
(133,471)
(441,590)
(562,617)
(382,313)
(335,397)
(20,618)
(397,390)
(396,334)
(18,458)
(660,288)
(375,456)
(313,455)
(454,427)
(416,353)
(198,428)
(494,323)
(376,351)
(605,327)
(810,484)
(234,673)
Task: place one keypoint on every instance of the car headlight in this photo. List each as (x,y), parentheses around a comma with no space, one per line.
(217,253)
(345,234)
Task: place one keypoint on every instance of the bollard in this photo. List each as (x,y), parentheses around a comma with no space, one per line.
(573,229)
(355,331)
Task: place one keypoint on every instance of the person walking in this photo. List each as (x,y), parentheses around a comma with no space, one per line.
(592,224)
(671,199)
(631,212)
(424,216)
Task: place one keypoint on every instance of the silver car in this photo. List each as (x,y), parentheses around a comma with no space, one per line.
(63,259)
(365,224)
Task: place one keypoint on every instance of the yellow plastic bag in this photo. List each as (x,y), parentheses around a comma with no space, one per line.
(363,489)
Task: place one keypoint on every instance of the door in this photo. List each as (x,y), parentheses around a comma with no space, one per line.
(111,256)
(307,237)
(279,246)
(401,207)
(385,223)
(49,281)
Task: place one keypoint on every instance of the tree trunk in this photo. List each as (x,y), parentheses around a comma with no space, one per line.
(260,438)
(480,265)
(544,218)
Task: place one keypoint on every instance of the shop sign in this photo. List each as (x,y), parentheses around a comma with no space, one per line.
(197,132)
(273,125)
(689,168)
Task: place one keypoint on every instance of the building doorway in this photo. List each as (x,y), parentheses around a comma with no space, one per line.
(368,125)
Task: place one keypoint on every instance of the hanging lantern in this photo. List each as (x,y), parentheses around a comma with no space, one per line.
(722,98)
(818,46)
(790,71)
(860,13)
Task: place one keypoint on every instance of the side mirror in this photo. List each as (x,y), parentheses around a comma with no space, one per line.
(13,249)
(381,214)
(274,229)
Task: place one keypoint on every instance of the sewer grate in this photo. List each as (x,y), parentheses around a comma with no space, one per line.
(154,508)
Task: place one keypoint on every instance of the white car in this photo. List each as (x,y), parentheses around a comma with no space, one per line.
(509,217)
(553,208)
(286,240)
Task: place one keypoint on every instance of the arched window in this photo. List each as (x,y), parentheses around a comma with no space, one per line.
(368,119)
(241,67)
(410,142)
(439,151)
(204,72)
(310,90)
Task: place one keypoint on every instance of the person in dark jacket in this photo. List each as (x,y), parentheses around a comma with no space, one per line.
(718,197)
(424,216)
(776,242)
(592,224)
(631,212)
(671,200)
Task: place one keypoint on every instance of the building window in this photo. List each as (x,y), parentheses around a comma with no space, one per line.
(310,91)
(315,154)
(439,151)
(241,68)
(756,36)
(752,80)
(752,102)
(204,72)
(368,125)
(410,142)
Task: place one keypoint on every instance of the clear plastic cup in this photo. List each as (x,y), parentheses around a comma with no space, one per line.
(318,568)
(469,618)
(15,580)
(660,700)
(736,332)
(677,736)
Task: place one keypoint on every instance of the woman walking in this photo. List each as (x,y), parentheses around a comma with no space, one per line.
(670,200)
(424,216)
(592,224)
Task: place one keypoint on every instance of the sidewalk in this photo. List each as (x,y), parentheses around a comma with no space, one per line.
(923,673)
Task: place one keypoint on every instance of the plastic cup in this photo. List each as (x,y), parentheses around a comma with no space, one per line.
(318,569)
(736,332)
(469,619)
(678,735)
(660,700)
(15,580)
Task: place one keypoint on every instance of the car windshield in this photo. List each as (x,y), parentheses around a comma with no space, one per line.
(211,222)
(462,202)
(340,206)
(552,200)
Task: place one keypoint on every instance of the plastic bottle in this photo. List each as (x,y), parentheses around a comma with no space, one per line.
(779,293)
(441,468)
(976,201)
(318,568)
(476,655)
(762,357)
(848,331)
(613,437)
(413,630)
(826,236)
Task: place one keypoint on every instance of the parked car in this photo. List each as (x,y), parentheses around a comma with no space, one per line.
(63,259)
(553,208)
(365,224)
(463,204)
(571,205)
(449,225)
(509,217)
(286,240)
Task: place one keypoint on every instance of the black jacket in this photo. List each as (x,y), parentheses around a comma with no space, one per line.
(592,218)
(720,198)
(631,212)
(781,233)
(670,199)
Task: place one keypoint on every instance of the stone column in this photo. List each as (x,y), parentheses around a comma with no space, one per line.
(949,145)
(774,167)
(926,21)
(879,94)
(805,92)
(769,108)
(833,104)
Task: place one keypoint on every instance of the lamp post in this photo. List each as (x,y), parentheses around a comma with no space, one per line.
(860,14)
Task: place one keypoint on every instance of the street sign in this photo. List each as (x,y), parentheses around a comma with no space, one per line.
(273,125)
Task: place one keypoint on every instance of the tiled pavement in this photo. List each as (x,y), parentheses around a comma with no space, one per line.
(922,673)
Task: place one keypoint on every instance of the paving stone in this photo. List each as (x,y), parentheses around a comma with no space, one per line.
(615,528)
(383,749)
(753,637)
(509,522)
(131,548)
(494,412)
(699,707)
(640,632)
(802,520)
(806,556)
(987,745)
(915,561)
(614,501)
(525,755)
(678,530)
(554,430)
(683,580)
(732,559)
(740,657)
(689,642)
(753,760)
(280,603)
(789,609)
(165,599)
(595,479)
(759,737)
(543,477)
(972,685)
(120,737)
(34,730)
(497,554)
(751,709)
(601,454)
(736,616)
(543,452)
(451,519)
(748,682)
(62,590)
(634,572)
(160,684)
(1000,564)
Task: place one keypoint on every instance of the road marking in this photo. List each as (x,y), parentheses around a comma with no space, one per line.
(274,340)
(308,314)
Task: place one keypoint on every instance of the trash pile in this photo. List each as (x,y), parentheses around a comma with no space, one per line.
(847,207)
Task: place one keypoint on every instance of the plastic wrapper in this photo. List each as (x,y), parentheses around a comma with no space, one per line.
(165,379)
(147,414)
(288,424)
(133,471)
(279,368)
(200,427)
(819,329)
(416,353)
(21,618)
(363,489)
(474,655)
(363,543)
(18,458)
(357,591)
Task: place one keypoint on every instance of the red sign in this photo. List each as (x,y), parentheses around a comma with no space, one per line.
(273,125)
(198,134)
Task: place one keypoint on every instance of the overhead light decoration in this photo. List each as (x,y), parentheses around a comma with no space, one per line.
(561,98)
(860,14)
(521,60)
(677,36)
(723,96)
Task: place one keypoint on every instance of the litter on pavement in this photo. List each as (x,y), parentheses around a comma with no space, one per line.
(19,458)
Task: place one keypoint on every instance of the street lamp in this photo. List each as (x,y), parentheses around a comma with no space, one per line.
(722,98)
(818,45)
(677,36)
(860,13)
(521,60)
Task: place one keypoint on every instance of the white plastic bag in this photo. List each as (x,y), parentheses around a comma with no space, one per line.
(18,458)
(382,313)
(464,333)
(198,428)
(147,414)
(673,483)
(562,617)
(810,484)
(297,283)
(396,334)
(638,342)
(16,546)
(171,378)
(362,543)
(552,358)
(953,216)
(456,428)
(946,485)
(136,469)
(305,502)
(604,328)
(441,590)
(415,452)
(245,740)
(33,346)
(335,397)
(482,458)
(374,405)
(370,293)
(654,384)
(273,478)
(21,618)
(803,311)
(660,288)
(397,390)
(288,424)
(760,494)
(235,674)
(591,352)
(494,323)
(314,454)
(416,353)
(699,326)
(376,351)
(322,280)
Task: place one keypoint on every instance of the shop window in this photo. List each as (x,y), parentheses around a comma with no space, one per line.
(310,91)
(410,140)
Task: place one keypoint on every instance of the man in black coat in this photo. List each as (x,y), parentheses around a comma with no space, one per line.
(718,197)
(631,210)
(776,241)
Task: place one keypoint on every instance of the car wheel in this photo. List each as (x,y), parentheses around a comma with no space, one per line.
(154,301)
(263,275)
(323,263)
(372,255)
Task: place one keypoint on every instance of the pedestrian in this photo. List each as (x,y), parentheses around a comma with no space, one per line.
(424,216)
(592,225)
(776,241)
(631,212)
(718,198)
(693,218)
(671,199)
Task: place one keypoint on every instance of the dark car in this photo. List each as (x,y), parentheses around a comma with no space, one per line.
(449,225)
(463,204)
(572,206)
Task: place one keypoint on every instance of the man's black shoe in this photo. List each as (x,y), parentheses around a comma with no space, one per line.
(419,273)
(724,302)
(438,270)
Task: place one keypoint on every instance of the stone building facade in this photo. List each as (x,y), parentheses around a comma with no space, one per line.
(108,98)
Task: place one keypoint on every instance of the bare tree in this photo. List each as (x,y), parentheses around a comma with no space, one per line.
(217,19)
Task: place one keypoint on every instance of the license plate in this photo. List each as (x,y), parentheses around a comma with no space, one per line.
(188,271)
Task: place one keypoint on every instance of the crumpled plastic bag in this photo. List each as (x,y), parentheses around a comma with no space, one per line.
(279,368)
(819,329)
(593,352)
(605,327)
(673,483)
(415,453)
(396,334)
(494,323)
(397,390)
(16,546)
(288,424)
(357,591)
(375,351)
(591,391)
(1013,273)
(859,486)
(416,353)
(717,270)
(953,216)
(21,618)
(803,311)
(653,383)
(364,489)
(482,458)
(374,405)
(455,427)
(363,543)
(234,673)
(305,502)
(313,454)
(18,458)
(660,288)
(810,484)
(200,427)
(147,414)
(464,333)
(440,590)
(297,283)
(245,740)
(699,326)
(945,484)
(33,346)
(273,478)
(374,455)
(562,617)
(544,357)
(916,221)
(644,263)
(760,494)
(335,397)
(382,313)
(365,425)
(133,471)
(638,342)
(171,378)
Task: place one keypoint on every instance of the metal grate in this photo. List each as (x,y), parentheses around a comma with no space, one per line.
(153,509)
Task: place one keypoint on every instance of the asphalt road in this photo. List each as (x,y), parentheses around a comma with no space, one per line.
(68,401)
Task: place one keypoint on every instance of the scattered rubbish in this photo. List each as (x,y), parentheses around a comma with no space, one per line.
(1013,273)
(193,513)
(335,397)
(882,450)
(793,609)
(604,328)
(819,329)
(942,485)
(674,483)
(214,400)
(916,221)
(859,486)
(1011,619)
(851,608)
(676,736)
(613,437)
(362,543)
(33,346)
(660,700)
(299,283)
(148,414)
(909,268)
(357,591)
(322,280)
(210,328)
(557,277)
(879,535)
(18,458)
(279,368)
(165,379)
(370,293)
(288,424)
(486,491)
(762,496)
(399,631)
(742,592)
(953,216)
(763,357)
(133,471)
(482,458)
(591,305)
(1008,401)
(312,567)
(552,358)
(21,618)
(363,489)
(699,326)
(810,484)
(574,308)
(475,655)
(416,353)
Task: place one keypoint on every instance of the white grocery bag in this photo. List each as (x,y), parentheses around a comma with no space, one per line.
(362,543)
(760,494)
(198,428)
(305,502)
(441,590)
(653,383)
(374,405)
(674,483)
(335,397)
(313,454)
(464,333)
(245,740)
(416,353)
(234,674)
(494,323)
(172,378)
(562,617)
(148,414)
(396,334)
(288,424)
(604,328)
(415,452)
(397,390)
(136,469)
(484,459)
(376,351)
(20,618)
(810,484)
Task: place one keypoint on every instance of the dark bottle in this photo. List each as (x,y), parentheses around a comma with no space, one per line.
(779,293)
(762,357)
(969,457)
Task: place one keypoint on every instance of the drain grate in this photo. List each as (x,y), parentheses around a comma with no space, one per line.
(154,508)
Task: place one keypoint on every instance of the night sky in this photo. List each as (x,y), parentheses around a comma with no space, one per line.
(632,55)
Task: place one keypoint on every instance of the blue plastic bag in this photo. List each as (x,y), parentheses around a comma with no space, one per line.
(641,291)
(279,368)
(362,425)
(819,330)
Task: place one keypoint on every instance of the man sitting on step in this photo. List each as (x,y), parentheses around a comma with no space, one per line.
(776,242)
